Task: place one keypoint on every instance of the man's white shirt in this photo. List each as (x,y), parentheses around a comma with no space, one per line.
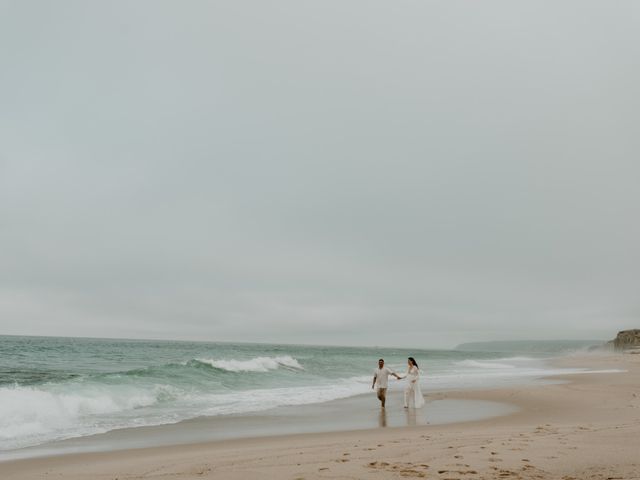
(382,376)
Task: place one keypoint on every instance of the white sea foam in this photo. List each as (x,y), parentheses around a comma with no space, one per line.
(263,399)
(499,363)
(257,364)
(483,364)
(30,414)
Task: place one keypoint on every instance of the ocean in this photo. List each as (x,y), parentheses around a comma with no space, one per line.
(55,388)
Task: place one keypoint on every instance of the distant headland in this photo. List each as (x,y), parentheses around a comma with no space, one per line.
(627,340)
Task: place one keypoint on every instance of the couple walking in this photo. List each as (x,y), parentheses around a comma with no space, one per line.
(412,394)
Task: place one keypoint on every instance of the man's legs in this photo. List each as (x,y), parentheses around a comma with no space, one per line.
(382,396)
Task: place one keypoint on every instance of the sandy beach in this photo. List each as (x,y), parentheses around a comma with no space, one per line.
(586,427)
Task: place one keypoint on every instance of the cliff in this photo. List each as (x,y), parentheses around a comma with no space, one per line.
(627,339)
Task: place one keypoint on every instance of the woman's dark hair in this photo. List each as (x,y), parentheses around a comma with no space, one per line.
(413,360)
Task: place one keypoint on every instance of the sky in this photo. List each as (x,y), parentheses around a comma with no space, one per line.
(412,173)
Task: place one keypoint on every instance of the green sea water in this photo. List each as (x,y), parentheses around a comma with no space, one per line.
(53,388)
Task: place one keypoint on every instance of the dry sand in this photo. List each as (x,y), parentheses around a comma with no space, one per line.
(587,428)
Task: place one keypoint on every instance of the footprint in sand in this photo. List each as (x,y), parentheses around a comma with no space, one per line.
(408,472)
(459,472)
(201,470)
(404,469)
(507,473)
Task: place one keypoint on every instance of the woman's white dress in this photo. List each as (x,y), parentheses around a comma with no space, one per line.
(412,395)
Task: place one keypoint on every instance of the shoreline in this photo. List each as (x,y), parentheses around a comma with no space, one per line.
(569,411)
(357,412)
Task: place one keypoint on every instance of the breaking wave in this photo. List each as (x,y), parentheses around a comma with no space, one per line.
(257,364)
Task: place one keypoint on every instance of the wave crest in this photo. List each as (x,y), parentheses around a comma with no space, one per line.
(257,364)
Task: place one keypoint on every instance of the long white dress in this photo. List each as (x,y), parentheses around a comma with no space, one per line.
(412,395)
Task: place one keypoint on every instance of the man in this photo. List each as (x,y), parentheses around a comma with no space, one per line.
(381,377)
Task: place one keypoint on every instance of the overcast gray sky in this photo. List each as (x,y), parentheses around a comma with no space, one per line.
(342,172)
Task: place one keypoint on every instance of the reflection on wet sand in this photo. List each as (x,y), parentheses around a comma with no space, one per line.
(412,417)
(382,418)
(406,417)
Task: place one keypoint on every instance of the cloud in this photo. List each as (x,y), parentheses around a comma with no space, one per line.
(318,173)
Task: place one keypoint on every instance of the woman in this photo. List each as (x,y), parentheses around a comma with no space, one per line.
(412,394)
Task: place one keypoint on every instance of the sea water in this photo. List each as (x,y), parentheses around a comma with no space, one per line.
(57,388)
